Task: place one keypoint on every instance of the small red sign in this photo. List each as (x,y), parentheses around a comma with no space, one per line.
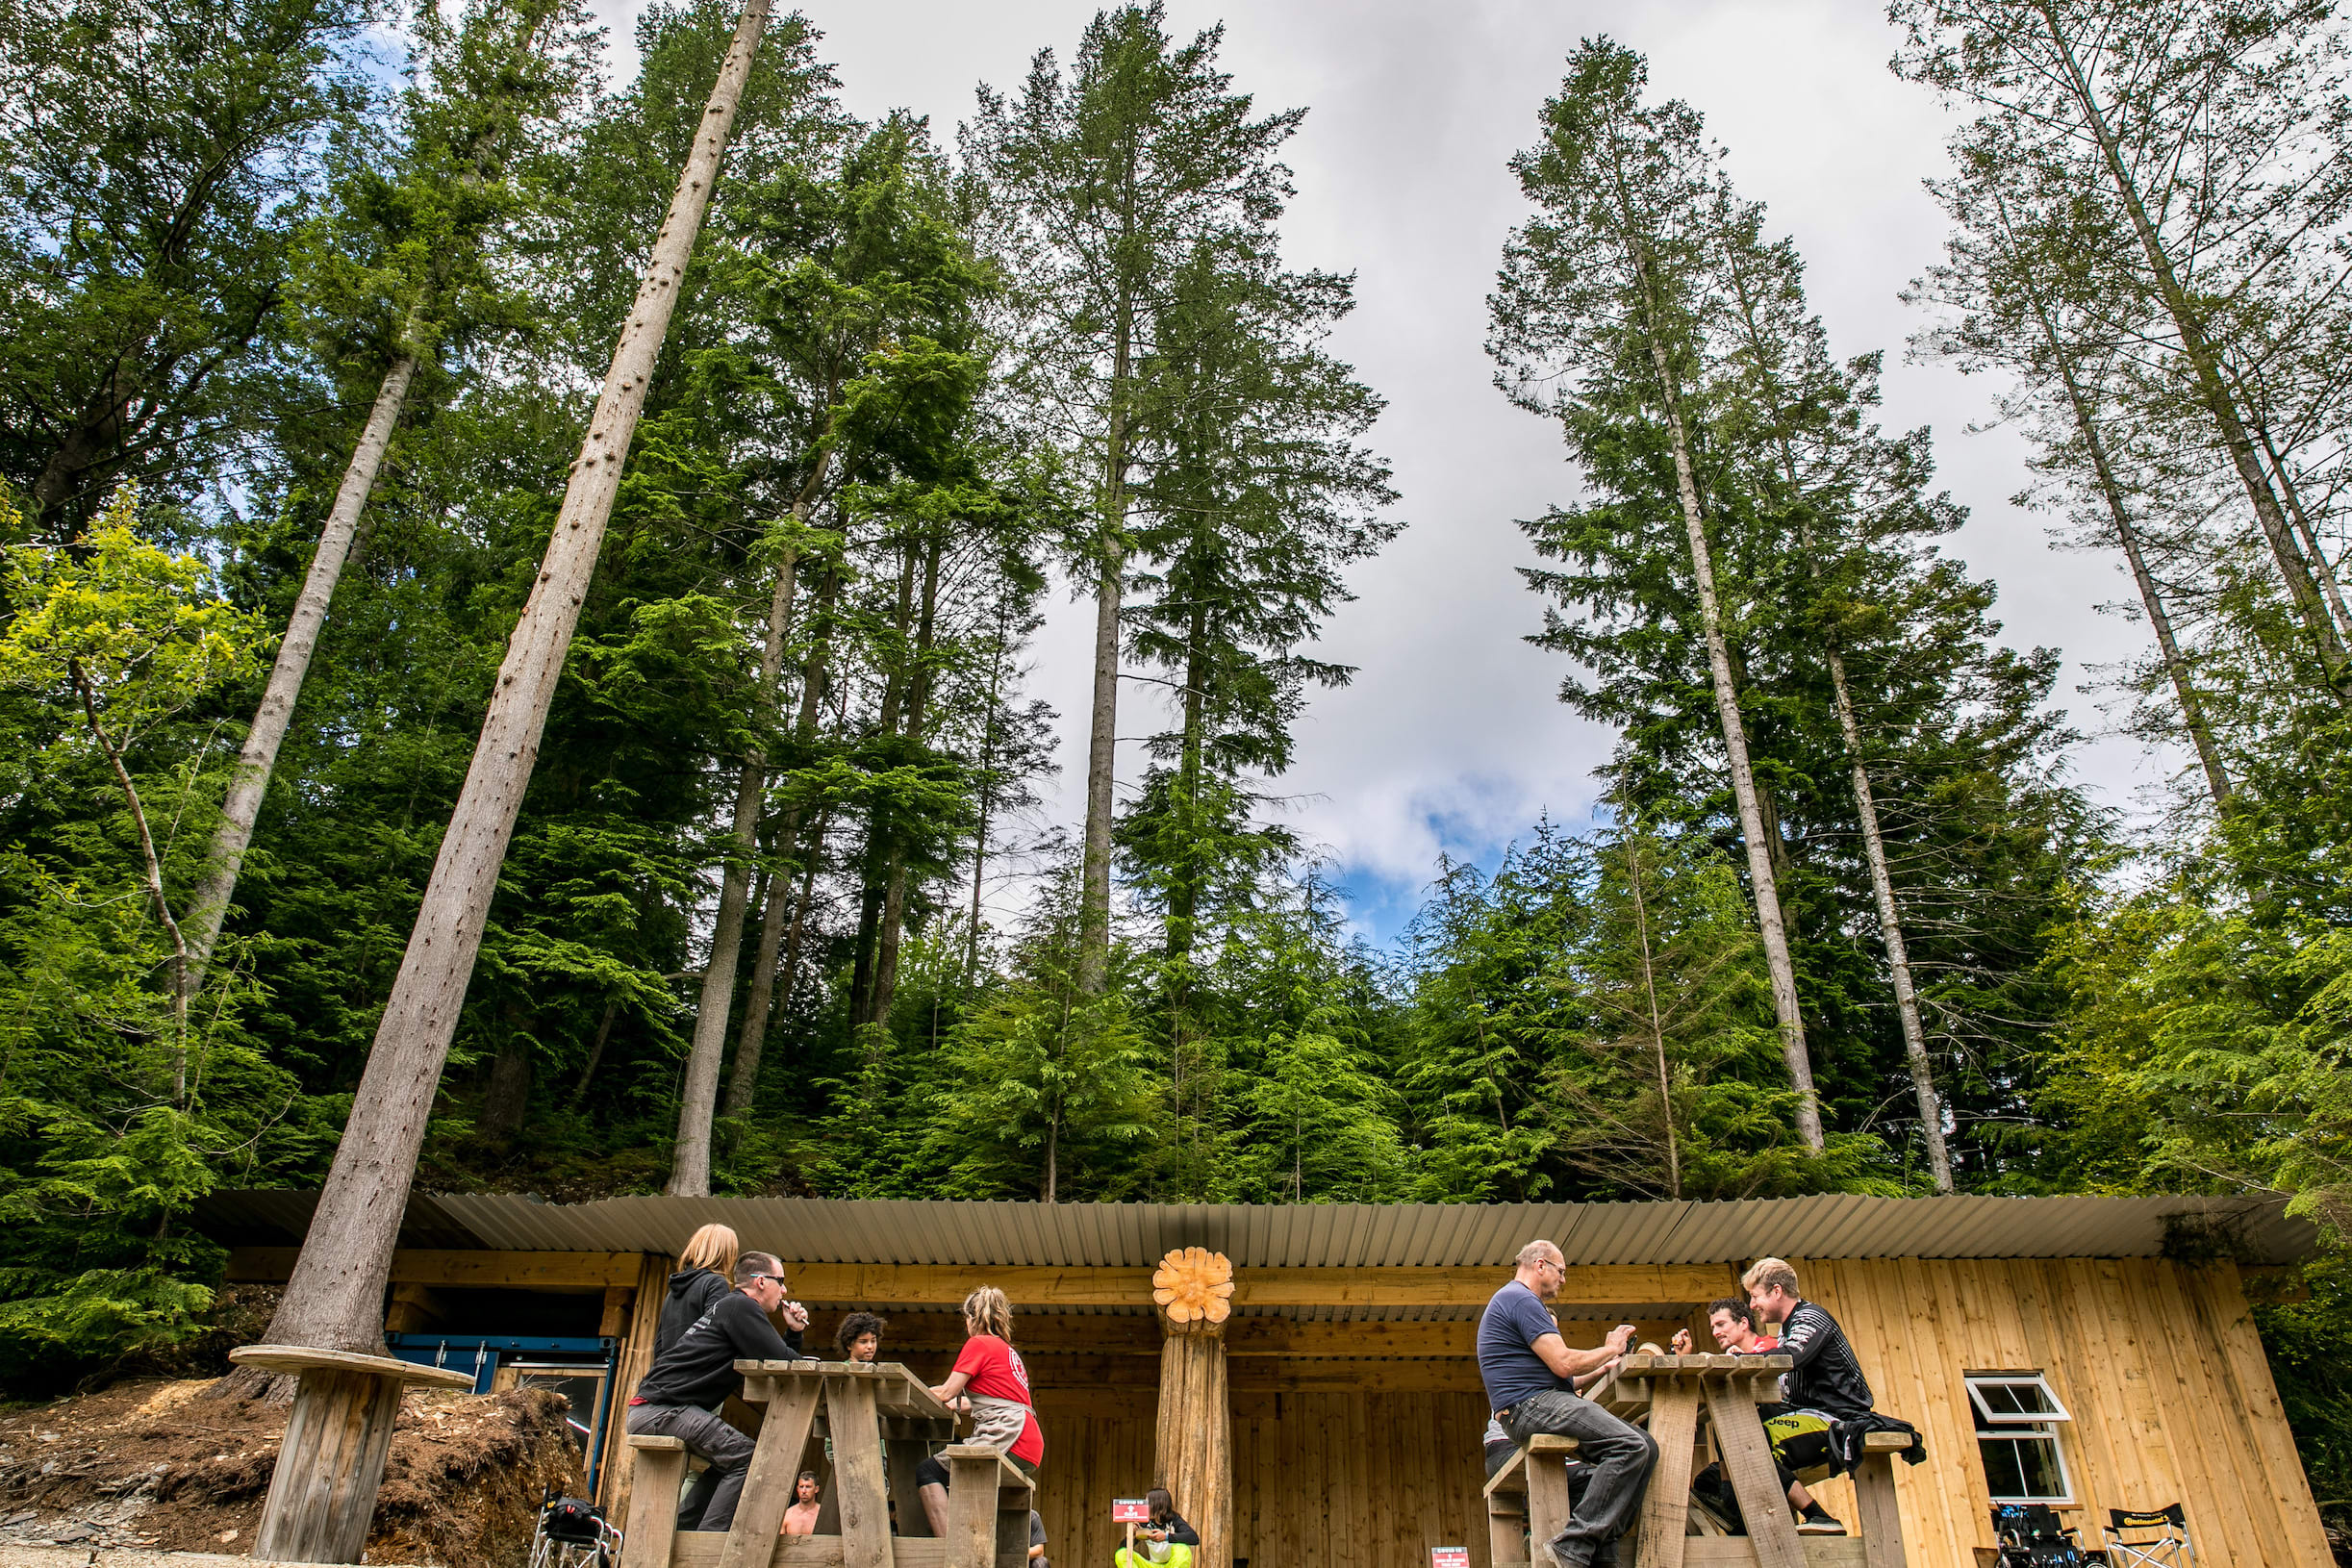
(1449,1557)
(1136,1511)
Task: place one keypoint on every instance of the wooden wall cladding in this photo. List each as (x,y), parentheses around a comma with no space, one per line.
(2157,1363)
(1337,1479)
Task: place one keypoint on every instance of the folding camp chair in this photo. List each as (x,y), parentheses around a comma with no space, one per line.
(2033,1536)
(2129,1545)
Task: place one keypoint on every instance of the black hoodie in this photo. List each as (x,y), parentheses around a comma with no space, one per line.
(698,1366)
(692,1293)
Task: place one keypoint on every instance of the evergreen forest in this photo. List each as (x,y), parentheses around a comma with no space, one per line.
(307,309)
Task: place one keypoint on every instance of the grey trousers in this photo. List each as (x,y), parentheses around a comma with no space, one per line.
(1619,1458)
(728,1450)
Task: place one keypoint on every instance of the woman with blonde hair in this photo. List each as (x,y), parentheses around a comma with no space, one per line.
(706,1273)
(991,1381)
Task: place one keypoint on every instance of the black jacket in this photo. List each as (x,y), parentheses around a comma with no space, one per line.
(1827,1378)
(692,1293)
(1179,1534)
(698,1366)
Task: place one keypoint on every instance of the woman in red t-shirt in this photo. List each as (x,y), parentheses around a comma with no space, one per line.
(991,1382)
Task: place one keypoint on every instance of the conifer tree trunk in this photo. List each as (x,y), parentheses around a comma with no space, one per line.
(690,1165)
(2151,598)
(1185,896)
(880,836)
(917,707)
(1890,930)
(1866,802)
(1658,1022)
(335,1298)
(258,759)
(595,1052)
(1768,918)
(2304,531)
(1103,720)
(2127,535)
(988,797)
(2204,363)
(742,1082)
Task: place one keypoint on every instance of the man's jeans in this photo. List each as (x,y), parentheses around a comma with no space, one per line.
(728,1450)
(1620,1457)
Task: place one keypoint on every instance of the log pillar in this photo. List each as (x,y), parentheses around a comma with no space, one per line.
(1192,1289)
(322,1493)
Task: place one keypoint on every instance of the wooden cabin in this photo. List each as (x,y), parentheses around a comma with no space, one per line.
(2112,1334)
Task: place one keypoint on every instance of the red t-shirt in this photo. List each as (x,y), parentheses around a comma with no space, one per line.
(994,1370)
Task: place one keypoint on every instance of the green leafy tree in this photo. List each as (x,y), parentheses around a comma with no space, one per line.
(1044,1090)
(124,1095)
(1102,187)
(161,157)
(1610,319)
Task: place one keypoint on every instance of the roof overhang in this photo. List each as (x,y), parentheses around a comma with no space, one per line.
(2251,1229)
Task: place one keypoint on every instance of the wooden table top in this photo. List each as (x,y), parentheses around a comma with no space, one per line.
(898,1391)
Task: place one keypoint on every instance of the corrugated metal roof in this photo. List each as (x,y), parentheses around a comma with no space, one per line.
(1310,1235)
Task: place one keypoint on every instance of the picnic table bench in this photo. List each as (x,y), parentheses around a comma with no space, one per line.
(867,1406)
(1671,1395)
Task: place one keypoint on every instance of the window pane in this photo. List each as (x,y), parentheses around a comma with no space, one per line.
(2031,1398)
(2019,1399)
(2003,1476)
(2001,1399)
(2037,1461)
(2022,1469)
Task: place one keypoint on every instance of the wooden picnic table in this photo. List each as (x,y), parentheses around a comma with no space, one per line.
(867,1406)
(1671,1395)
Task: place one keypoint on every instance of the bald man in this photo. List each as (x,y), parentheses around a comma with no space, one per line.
(1532,1378)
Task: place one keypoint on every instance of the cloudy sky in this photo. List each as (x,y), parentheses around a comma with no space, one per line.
(1451,737)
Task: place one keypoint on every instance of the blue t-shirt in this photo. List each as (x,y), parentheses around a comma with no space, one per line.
(1507,1332)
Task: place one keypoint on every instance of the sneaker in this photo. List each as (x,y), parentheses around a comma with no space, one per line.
(1818,1523)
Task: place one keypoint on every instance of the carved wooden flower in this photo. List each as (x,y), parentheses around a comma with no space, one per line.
(1194,1285)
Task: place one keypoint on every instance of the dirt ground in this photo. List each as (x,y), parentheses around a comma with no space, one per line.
(151,1465)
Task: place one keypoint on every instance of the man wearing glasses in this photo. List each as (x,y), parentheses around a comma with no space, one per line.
(1532,1377)
(682,1391)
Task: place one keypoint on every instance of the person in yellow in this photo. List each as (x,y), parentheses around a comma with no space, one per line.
(1166,1542)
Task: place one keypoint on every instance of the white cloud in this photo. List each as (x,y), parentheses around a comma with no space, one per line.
(1451,736)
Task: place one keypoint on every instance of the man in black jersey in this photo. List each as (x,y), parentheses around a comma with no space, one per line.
(1826,1377)
(1825,1382)
(694,1374)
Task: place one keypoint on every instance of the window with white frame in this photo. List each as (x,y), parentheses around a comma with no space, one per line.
(2017,1418)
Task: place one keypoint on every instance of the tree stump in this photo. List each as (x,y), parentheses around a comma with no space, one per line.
(1193,1289)
(322,1494)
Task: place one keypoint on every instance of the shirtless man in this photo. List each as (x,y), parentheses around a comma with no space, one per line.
(800,1519)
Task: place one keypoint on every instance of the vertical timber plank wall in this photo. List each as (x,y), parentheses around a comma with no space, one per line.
(2156,1362)
(617,1468)
(1368,1481)
(1098,1445)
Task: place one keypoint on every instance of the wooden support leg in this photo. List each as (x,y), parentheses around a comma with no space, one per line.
(1747,1459)
(1878,1518)
(972,1509)
(330,1464)
(658,1477)
(1665,1507)
(857,1472)
(1507,1533)
(1548,1502)
(1013,1504)
(791,1405)
(904,1454)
